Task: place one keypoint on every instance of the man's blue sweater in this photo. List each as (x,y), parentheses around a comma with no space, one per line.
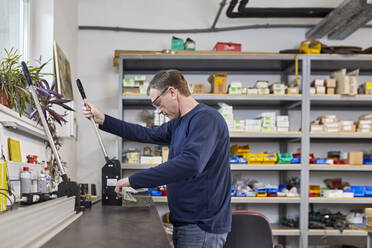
(197,173)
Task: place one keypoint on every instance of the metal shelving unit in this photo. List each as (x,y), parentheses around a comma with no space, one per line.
(259,200)
(273,64)
(235,167)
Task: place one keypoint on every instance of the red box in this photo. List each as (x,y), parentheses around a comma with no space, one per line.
(228,46)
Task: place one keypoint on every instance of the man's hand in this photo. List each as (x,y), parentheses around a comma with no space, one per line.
(120,184)
(90,110)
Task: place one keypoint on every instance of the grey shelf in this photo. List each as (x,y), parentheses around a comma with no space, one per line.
(341,167)
(258,200)
(341,102)
(280,230)
(283,65)
(359,136)
(24,129)
(239,63)
(334,232)
(355,200)
(265,135)
(234,167)
(291,101)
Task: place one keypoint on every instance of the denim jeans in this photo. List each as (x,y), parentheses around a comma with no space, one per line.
(192,236)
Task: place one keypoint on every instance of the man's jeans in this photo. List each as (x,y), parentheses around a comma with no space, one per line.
(192,236)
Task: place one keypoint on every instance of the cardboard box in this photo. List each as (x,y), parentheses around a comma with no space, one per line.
(218,82)
(347,128)
(189,44)
(331,83)
(317,82)
(331,127)
(359,130)
(364,126)
(331,91)
(164,153)
(368,85)
(293,90)
(198,89)
(320,90)
(316,128)
(131,90)
(228,46)
(368,212)
(369,221)
(355,158)
(368,92)
(347,123)
(253,91)
(327,119)
(360,122)
(177,43)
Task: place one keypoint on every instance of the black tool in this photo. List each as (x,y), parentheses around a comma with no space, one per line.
(66,187)
(111,171)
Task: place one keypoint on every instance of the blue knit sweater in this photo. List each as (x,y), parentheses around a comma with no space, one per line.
(197,173)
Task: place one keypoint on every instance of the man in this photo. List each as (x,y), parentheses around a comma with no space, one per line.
(197,173)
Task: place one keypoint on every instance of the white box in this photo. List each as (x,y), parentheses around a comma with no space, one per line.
(252,91)
(239,124)
(282,129)
(128,82)
(253,122)
(364,130)
(318,82)
(312,91)
(333,130)
(235,90)
(364,126)
(316,128)
(320,90)
(282,124)
(151,160)
(268,114)
(236,84)
(282,118)
(365,121)
(253,128)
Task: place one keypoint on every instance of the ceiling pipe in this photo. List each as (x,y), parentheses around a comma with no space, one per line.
(245,12)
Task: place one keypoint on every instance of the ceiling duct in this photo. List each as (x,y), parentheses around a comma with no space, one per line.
(337,19)
(245,12)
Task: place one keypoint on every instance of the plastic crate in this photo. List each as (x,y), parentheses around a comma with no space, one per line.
(255,158)
(367,160)
(314,190)
(284,158)
(358,191)
(270,158)
(368,191)
(321,161)
(296,160)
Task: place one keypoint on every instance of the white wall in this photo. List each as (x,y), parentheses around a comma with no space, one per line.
(66,36)
(56,20)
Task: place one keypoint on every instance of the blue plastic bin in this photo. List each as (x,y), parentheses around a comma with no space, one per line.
(358,191)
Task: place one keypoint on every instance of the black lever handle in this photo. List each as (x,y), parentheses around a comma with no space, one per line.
(26,73)
(81,89)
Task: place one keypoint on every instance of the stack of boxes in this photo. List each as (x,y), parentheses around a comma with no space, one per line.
(262,87)
(282,123)
(365,123)
(159,119)
(278,89)
(227,113)
(138,85)
(347,84)
(268,120)
(330,124)
(253,125)
(369,217)
(218,82)
(235,88)
(318,87)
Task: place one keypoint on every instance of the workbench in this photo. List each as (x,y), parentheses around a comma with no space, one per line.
(113,226)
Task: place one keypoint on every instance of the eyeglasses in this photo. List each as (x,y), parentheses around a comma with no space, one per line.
(157,98)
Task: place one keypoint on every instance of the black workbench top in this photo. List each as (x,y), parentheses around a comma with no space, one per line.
(113,226)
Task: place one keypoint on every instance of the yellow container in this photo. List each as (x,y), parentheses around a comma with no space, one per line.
(3,184)
(241,151)
(369,85)
(255,158)
(270,158)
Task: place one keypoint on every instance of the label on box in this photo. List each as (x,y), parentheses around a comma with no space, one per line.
(331,125)
(268,124)
(128,82)
(264,91)
(278,86)
(364,126)
(293,90)
(347,123)
(319,82)
(316,128)
(279,92)
(139,78)
(332,130)
(268,129)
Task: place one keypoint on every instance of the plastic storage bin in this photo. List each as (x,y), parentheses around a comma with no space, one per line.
(284,158)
